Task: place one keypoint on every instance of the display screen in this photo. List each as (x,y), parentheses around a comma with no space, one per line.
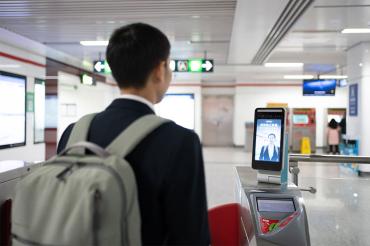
(12,110)
(51,110)
(268,138)
(320,87)
(300,119)
(39,126)
(179,108)
(275,205)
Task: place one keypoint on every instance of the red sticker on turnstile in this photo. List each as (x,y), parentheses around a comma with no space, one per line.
(267,225)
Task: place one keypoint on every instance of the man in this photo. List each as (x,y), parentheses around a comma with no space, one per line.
(270,152)
(168,163)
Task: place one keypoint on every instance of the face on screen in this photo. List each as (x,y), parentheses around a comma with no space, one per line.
(268,137)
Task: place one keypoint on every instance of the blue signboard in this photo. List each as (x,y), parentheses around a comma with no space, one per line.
(353,100)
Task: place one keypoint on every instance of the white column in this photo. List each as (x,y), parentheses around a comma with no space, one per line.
(358,127)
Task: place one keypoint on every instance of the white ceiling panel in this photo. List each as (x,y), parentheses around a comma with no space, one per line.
(250,30)
(316,39)
(62,24)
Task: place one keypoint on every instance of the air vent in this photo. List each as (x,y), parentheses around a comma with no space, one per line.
(290,14)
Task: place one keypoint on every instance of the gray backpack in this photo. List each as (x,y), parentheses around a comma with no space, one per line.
(80,199)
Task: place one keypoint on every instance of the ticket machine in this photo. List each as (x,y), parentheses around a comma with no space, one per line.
(275,210)
(303,125)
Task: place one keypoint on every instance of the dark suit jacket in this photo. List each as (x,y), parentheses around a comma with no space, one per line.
(169,170)
(264,155)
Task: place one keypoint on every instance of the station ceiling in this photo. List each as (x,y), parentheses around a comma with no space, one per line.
(233,32)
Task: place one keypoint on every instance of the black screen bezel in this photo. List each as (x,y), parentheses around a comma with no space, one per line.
(12,145)
(269,113)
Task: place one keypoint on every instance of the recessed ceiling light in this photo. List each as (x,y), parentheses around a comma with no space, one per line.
(94,43)
(298,76)
(328,76)
(284,64)
(195,16)
(355,30)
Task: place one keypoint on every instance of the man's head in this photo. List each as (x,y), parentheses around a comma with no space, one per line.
(272,138)
(138,55)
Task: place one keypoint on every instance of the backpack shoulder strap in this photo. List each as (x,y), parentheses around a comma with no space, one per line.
(132,135)
(79,132)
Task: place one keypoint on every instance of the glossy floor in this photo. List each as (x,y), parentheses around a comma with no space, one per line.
(338,214)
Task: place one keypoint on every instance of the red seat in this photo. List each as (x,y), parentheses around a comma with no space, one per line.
(225,226)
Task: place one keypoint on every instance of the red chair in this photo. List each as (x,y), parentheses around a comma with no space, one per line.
(226,228)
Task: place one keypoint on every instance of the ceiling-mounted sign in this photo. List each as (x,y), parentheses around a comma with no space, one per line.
(192,65)
(102,66)
(87,80)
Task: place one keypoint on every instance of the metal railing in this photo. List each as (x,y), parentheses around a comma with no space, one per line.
(295,158)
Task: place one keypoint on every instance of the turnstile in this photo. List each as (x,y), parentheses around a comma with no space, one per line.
(276,213)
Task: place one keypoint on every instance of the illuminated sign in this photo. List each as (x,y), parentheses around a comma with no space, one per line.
(102,66)
(87,80)
(192,65)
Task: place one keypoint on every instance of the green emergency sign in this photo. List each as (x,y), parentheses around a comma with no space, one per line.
(101,66)
(192,65)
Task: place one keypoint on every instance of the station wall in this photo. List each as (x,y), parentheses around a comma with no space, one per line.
(76,100)
(197,91)
(249,97)
(32,65)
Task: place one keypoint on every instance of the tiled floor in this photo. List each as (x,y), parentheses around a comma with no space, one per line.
(338,214)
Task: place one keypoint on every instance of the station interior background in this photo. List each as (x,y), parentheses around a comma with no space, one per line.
(40,39)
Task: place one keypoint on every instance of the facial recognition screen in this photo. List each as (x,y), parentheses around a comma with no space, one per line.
(179,108)
(268,136)
(12,110)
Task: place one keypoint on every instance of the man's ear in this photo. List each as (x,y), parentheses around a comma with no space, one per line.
(159,72)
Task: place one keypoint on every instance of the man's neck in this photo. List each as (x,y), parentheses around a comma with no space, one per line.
(140,93)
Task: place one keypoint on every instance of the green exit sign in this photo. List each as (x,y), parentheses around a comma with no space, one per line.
(101,66)
(192,65)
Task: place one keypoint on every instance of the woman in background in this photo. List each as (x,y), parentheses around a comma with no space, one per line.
(333,137)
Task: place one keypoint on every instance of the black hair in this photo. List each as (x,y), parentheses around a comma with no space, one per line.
(272,135)
(134,51)
(333,124)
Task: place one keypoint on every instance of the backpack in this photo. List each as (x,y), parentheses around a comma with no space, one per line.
(82,199)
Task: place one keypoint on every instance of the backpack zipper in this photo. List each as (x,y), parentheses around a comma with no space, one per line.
(96,220)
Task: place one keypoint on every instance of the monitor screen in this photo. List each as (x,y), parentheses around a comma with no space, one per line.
(319,87)
(39,125)
(12,110)
(300,119)
(275,205)
(179,108)
(268,138)
(51,111)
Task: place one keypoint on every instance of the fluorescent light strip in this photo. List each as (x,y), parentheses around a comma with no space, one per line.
(333,76)
(355,30)
(298,76)
(94,43)
(284,64)
(10,66)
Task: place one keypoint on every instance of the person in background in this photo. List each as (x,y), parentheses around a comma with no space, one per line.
(333,137)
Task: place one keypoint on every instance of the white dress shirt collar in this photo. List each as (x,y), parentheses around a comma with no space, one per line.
(138,99)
